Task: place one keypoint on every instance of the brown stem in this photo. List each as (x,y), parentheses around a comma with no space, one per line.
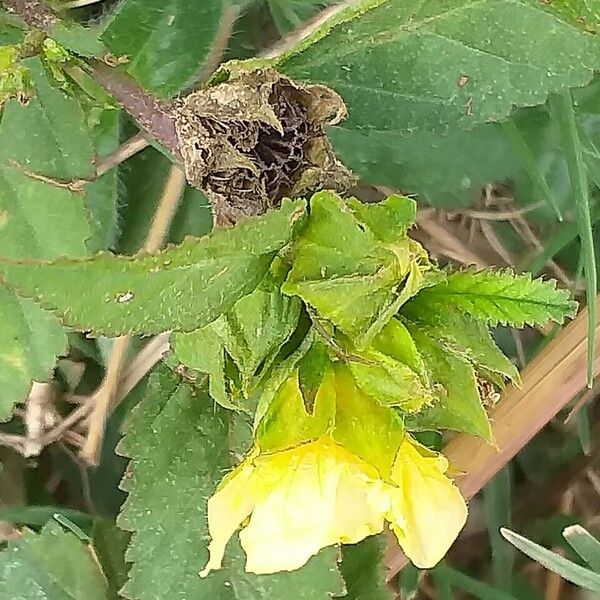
(126,150)
(151,114)
(550,382)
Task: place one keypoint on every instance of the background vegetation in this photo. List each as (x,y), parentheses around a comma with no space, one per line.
(487,112)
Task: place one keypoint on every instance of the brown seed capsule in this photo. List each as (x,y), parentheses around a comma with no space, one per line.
(257,138)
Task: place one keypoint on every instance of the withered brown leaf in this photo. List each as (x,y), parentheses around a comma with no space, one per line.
(257,138)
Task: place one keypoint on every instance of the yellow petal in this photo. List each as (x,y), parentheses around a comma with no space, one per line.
(289,525)
(428,511)
(325,495)
(360,507)
(231,504)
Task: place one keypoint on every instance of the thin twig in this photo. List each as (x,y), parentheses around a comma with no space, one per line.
(38,417)
(448,244)
(166,210)
(523,229)
(126,150)
(494,241)
(492,215)
(142,364)
(221,42)
(104,397)
(307,29)
(16,442)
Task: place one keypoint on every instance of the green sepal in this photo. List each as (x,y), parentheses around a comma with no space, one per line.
(469,339)
(363,426)
(350,267)
(244,341)
(393,371)
(458,406)
(287,423)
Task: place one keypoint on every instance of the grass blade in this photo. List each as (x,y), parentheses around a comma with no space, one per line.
(478,589)
(529,163)
(585,544)
(562,105)
(565,568)
(497,508)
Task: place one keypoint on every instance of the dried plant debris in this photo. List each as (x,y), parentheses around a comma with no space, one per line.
(257,138)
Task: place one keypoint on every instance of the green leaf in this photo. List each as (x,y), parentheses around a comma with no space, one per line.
(363,570)
(319,579)
(181,288)
(458,406)
(565,568)
(30,341)
(47,136)
(110,544)
(498,298)
(410,66)
(78,39)
(202,350)
(101,195)
(465,337)
(585,544)
(54,565)
(167,44)
(353,275)
(178,442)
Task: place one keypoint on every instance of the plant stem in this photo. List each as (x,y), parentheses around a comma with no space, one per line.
(126,150)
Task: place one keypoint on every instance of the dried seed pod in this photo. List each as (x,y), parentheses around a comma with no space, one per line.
(251,141)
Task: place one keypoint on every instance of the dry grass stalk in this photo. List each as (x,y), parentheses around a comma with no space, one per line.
(550,382)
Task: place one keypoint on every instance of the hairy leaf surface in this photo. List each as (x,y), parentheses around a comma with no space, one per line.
(179,444)
(413,66)
(497,297)
(167,43)
(181,288)
(363,569)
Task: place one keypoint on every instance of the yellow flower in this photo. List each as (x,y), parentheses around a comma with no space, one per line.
(293,502)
